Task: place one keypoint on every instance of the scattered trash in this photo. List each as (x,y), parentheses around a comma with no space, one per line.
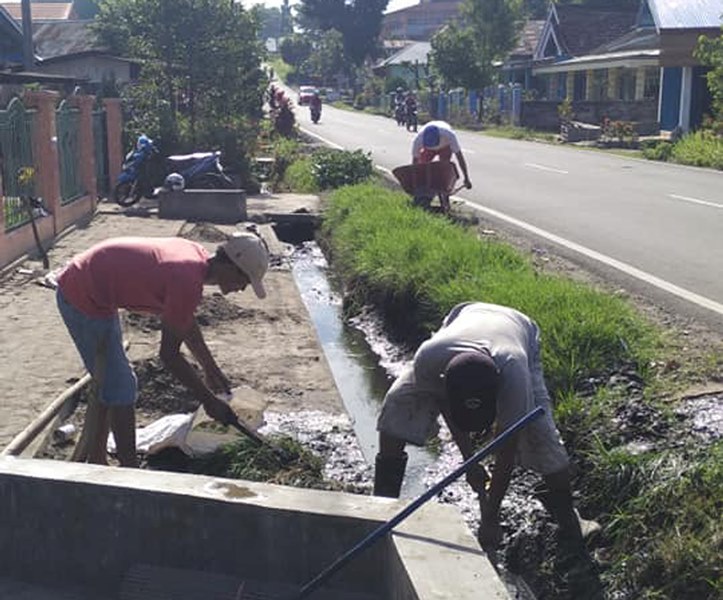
(65,433)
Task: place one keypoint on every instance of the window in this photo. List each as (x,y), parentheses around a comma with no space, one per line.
(652,83)
(599,85)
(626,84)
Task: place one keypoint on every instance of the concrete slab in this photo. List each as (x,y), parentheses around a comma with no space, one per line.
(209,206)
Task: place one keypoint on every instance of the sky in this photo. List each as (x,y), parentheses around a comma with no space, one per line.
(393,4)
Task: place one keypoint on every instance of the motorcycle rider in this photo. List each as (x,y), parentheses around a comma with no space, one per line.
(315,107)
(399,105)
(410,108)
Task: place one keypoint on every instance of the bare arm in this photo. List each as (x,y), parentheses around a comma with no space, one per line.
(490,533)
(476,475)
(197,345)
(463,165)
(176,363)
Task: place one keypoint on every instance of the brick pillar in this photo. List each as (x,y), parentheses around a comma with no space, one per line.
(87,146)
(45,149)
(114,123)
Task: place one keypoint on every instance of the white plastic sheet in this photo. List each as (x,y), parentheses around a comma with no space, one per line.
(170,431)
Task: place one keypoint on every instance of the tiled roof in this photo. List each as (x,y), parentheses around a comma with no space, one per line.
(582,29)
(59,38)
(529,36)
(40,10)
(686,14)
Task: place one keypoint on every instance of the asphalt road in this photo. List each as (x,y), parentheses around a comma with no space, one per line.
(657,227)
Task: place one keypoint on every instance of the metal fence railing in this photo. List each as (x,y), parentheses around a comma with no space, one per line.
(16,152)
(68,129)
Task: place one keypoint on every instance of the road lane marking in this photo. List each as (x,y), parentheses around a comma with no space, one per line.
(696,201)
(544,168)
(671,288)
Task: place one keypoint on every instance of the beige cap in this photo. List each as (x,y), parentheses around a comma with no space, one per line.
(248,251)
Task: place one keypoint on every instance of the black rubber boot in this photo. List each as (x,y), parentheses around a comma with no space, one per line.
(388,475)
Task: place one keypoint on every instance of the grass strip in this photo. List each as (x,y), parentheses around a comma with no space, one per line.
(416,266)
(660,509)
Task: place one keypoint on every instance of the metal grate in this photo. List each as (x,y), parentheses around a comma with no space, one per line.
(67,122)
(16,151)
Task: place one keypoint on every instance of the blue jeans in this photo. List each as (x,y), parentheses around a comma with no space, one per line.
(119,381)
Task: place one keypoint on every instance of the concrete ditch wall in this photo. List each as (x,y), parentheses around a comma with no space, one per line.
(75,524)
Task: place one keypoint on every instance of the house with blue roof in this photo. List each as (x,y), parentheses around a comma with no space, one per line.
(635,65)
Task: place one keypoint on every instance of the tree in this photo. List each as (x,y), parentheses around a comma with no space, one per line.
(295,49)
(271,22)
(453,59)
(464,55)
(710,52)
(328,59)
(359,22)
(201,80)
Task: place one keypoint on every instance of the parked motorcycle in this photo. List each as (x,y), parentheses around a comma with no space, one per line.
(144,172)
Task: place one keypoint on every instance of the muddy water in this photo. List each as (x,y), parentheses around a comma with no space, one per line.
(361,377)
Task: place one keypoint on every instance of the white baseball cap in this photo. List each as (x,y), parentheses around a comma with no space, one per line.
(248,251)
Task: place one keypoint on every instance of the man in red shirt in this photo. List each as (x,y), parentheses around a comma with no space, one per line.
(162,276)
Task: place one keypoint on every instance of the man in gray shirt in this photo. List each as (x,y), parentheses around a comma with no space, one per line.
(481,368)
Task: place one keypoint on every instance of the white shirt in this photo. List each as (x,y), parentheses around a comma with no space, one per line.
(512,340)
(447,137)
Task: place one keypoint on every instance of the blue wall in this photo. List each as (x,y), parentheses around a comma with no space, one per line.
(670,106)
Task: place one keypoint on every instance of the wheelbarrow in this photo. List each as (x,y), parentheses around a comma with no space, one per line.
(425,181)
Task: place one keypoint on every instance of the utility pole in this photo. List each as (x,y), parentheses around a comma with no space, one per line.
(27,35)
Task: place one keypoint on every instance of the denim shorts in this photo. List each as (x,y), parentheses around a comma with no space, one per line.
(119,381)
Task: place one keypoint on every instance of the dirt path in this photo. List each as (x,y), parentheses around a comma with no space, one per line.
(269,345)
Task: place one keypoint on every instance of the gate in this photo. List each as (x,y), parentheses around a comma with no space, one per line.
(68,128)
(100,138)
(16,151)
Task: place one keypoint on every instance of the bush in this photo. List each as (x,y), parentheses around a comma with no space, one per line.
(657,150)
(701,149)
(335,168)
(361,101)
(299,177)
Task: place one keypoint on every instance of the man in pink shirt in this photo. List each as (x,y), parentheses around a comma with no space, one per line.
(162,276)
